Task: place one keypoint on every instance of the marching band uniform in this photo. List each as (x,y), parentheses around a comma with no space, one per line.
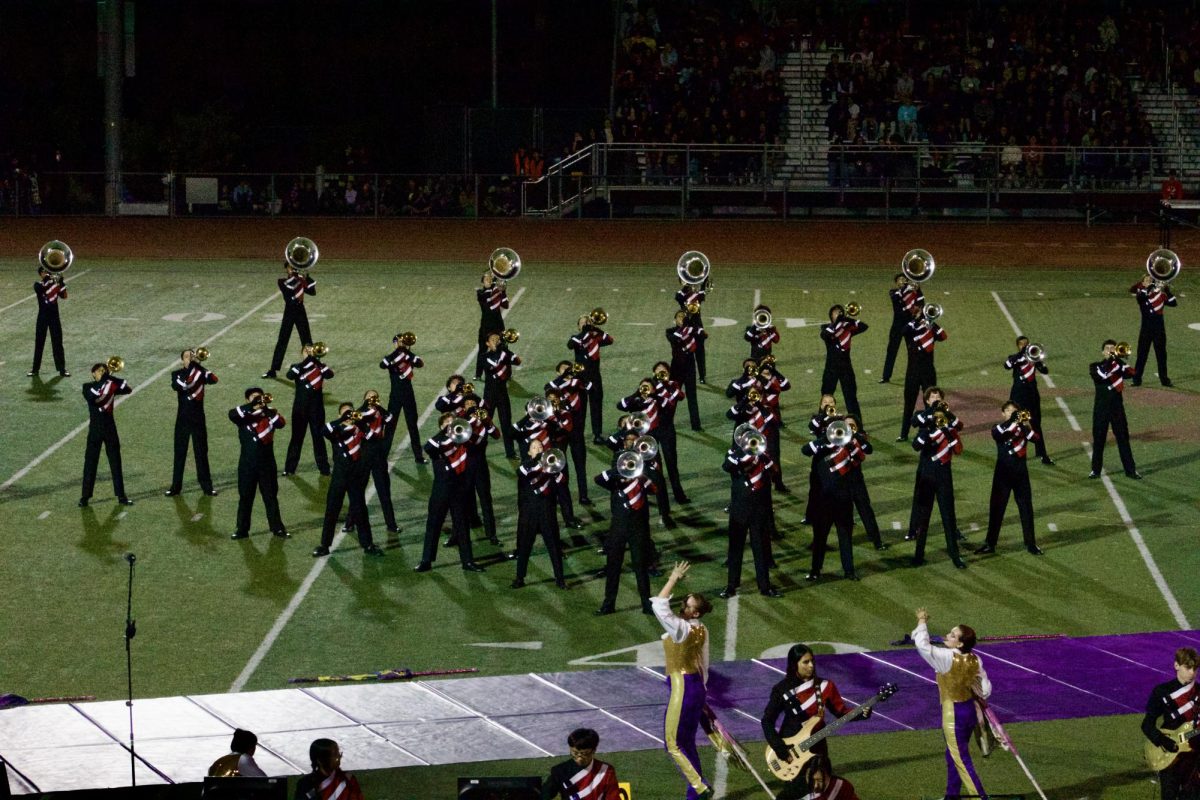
(838,369)
(860,447)
(586,345)
(293,287)
(750,515)
(378,446)
(350,475)
(937,446)
(904,299)
(685,643)
(256,465)
(761,339)
(683,338)
(1175,704)
(479,475)
(763,418)
(960,677)
(669,393)
(817,424)
(629,527)
(560,427)
(549,432)
(492,300)
(49,291)
(692,293)
(400,364)
(451,401)
(1011,477)
(101,397)
(1025,394)
(308,413)
(190,425)
(772,383)
(834,506)
(535,515)
(1151,302)
(920,374)
(569,781)
(648,405)
(498,365)
(1108,409)
(448,495)
(572,390)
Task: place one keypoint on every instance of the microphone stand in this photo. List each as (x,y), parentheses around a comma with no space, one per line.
(130,632)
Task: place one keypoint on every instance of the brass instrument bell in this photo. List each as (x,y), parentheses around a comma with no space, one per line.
(917,265)
(200,354)
(504,263)
(114,365)
(647,446)
(552,461)
(320,349)
(630,464)
(766,361)
(645,389)
(762,318)
(1035,352)
(693,308)
(693,268)
(301,253)
(56,257)
(639,423)
(510,335)
(1123,350)
(597,316)
(932,312)
(481,414)
(749,438)
(754,394)
(460,431)
(539,408)
(853,309)
(577,369)
(406,339)
(468,388)
(1163,266)
(1024,417)
(838,433)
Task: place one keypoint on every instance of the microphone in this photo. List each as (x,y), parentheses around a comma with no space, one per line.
(131,558)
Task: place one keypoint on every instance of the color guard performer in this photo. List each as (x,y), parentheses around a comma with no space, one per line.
(498,365)
(50,290)
(960,679)
(1174,703)
(684,341)
(586,345)
(685,643)
(1011,477)
(1152,297)
(400,364)
(536,482)
(905,297)
(1108,408)
(308,409)
(922,334)
(1025,364)
(492,299)
(190,424)
(293,286)
(257,422)
(449,493)
(937,442)
(348,434)
(101,397)
(837,336)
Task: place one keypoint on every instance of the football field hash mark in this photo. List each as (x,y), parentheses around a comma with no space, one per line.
(43,515)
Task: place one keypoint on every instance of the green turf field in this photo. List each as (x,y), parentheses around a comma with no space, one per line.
(205,605)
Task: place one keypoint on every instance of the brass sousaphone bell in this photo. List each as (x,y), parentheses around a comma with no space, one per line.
(504,264)
(693,269)
(56,258)
(918,265)
(301,253)
(1163,266)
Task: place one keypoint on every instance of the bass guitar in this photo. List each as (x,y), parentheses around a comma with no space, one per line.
(801,743)
(1158,758)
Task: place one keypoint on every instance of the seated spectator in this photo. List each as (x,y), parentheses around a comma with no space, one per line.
(906,120)
(240,761)
(1010,162)
(327,780)
(1171,188)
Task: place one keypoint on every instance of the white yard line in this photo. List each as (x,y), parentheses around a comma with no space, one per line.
(29,297)
(1173,604)
(318,566)
(994,657)
(52,449)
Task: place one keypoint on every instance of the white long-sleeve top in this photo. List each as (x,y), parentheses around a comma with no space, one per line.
(941,658)
(677,628)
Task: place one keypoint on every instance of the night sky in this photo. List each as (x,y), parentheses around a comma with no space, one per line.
(277,86)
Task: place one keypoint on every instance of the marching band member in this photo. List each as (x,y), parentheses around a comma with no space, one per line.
(818,780)
(860,447)
(479,472)
(535,514)
(559,427)
(448,495)
(825,414)
(935,400)
(669,394)
(905,297)
(960,678)
(761,339)
(1152,298)
(308,410)
(379,420)
(750,515)
(686,645)
(938,442)
(586,345)
(327,781)
(572,389)
(498,365)
(492,300)
(838,369)
(738,387)
(452,400)
(257,423)
(1011,477)
(293,287)
(400,364)
(582,775)
(690,297)
(1174,702)
(753,408)
(1024,393)
(101,397)
(832,461)
(645,401)
(190,425)
(629,528)
(1108,409)
(921,336)
(349,435)
(683,338)
(50,290)
(773,383)
(541,424)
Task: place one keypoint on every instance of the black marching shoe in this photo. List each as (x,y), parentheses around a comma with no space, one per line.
(727,592)
(885,380)
(269,373)
(393,528)
(287,473)
(125,501)
(901,438)
(1034,550)
(813,576)
(984,550)
(171,493)
(910,536)
(424,566)
(518,583)
(373,550)
(586,501)
(960,536)
(852,576)
(647,608)
(603,610)
(1137,476)
(598,440)
(281,534)
(494,540)
(771,592)
(561,583)
(882,546)
(575,523)
(959,563)
(471,566)
(1166,382)
(917,562)
(66,373)
(239,535)
(420,460)
(210,492)
(1048,461)
(31,374)
(320,551)
(1093,474)
(682,498)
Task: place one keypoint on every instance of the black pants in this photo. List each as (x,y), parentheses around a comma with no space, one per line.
(1011,479)
(833,509)
(404,402)
(49,321)
(918,377)
(701,360)
(668,454)
(257,472)
(842,371)
(307,417)
(752,525)
(294,316)
(935,481)
(495,394)
(862,503)
(578,449)
(1178,781)
(380,472)
(595,397)
(630,529)
(1153,332)
(895,336)
(449,495)
(683,369)
(536,517)
(479,481)
(1029,398)
(191,428)
(773,450)
(1105,414)
(562,494)
(102,432)
(349,479)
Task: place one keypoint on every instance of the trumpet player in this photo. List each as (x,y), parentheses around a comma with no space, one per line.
(669,394)
(536,487)
(50,291)
(761,333)
(837,336)
(400,364)
(452,399)
(938,443)
(101,397)
(498,366)
(1152,297)
(572,389)
(1013,435)
(905,296)
(294,285)
(349,435)
(1108,408)
(378,445)
(684,339)
(493,300)
(257,422)
(308,410)
(690,299)
(190,425)
(833,461)
(448,451)
(921,336)
(586,345)
(1024,393)
(751,514)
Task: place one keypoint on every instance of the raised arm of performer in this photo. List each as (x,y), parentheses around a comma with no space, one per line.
(960,677)
(400,364)
(257,423)
(1174,702)
(686,645)
(582,775)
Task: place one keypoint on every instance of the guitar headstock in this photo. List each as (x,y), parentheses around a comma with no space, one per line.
(887,690)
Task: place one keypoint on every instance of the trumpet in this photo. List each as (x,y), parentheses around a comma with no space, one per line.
(839,433)
(577,369)
(114,365)
(1163,266)
(1123,350)
(510,335)
(693,268)
(853,309)
(597,316)
(460,431)
(662,373)
(1023,417)
(200,354)
(940,419)
(754,395)
(481,414)
(552,461)
(932,312)
(1035,352)
(917,265)
(264,400)
(301,253)
(354,415)
(630,464)
(372,398)
(692,308)
(406,339)
(829,410)
(752,371)
(766,361)
(467,388)
(762,318)
(320,349)
(504,263)
(647,446)
(752,440)
(645,390)
(56,258)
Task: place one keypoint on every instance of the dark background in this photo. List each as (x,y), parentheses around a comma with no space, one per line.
(264,86)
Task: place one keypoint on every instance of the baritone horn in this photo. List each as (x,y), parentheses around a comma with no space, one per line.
(539,408)
(301,253)
(597,316)
(932,312)
(1163,266)
(504,263)
(552,461)
(200,353)
(762,318)
(56,258)
(630,464)
(918,265)
(838,433)
(647,446)
(1035,352)
(639,423)
(460,431)
(693,269)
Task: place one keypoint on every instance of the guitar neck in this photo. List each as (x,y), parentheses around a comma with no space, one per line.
(839,722)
